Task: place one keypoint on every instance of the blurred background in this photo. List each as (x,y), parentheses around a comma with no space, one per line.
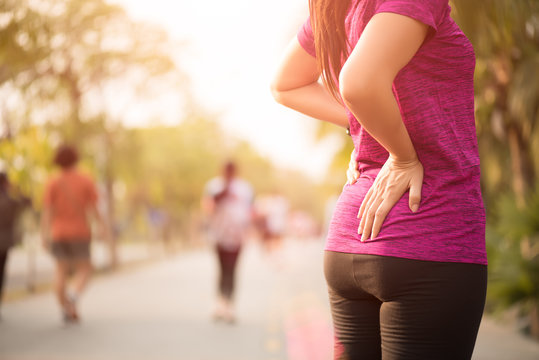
(157,95)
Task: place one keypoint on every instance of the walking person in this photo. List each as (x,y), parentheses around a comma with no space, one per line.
(405,257)
(69,203)
(272,211)
(10,209)
(228,203)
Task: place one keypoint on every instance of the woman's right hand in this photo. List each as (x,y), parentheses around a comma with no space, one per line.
(352,174)
(393,180)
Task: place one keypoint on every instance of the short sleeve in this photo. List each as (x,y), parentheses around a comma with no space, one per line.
(306,37)
(429,12)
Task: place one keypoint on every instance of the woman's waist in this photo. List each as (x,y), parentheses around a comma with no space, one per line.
(439,175)
(440,218)
(441,194)
(370,161)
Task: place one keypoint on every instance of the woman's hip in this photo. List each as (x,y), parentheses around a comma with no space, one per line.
(388,278)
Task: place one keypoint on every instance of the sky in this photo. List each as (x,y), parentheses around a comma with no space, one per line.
(232,50)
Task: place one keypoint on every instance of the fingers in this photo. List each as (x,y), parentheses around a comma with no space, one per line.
(352,174)
(365,202)
(391,183)
(355,176)
(371,222)
(379,217)
(415,194)
(367,219)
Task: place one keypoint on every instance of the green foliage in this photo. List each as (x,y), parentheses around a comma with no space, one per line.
(505,35)
(168,167)
(57,58)
(514,253)
(26,159)
(60,55)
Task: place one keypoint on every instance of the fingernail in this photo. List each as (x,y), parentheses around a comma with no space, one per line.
(415,207)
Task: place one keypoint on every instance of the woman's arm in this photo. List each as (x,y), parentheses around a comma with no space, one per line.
(387,44)
(296,86)
(104,232)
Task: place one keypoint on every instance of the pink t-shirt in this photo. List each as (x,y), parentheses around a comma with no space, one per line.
(435,95)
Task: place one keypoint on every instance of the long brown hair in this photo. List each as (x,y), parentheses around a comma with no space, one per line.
(331,44)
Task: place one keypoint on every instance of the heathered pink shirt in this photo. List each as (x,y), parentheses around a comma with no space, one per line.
(435,95)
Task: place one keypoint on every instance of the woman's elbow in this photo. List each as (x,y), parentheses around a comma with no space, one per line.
(360,87)
(277,92)
(355,90)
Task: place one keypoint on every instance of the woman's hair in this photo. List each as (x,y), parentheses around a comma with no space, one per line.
(330,40)
(66,156)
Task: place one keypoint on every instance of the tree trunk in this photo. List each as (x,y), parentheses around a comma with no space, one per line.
(521,165)
(109,201)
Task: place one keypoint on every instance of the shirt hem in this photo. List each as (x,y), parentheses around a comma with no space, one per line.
(409,257)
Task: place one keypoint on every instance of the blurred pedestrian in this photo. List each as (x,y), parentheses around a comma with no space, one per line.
(70,201)
(227,202)
(405,258)
(272,213)
(10,209)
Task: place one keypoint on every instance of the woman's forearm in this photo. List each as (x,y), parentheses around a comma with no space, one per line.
(386,45)
(315,101)
(296,86)
(378,112)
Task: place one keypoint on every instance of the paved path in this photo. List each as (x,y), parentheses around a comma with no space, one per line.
(162,311)
(31,267)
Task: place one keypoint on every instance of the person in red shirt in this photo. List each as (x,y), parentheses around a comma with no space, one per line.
(69,202)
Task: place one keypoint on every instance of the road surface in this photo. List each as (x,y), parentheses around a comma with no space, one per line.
(162,311)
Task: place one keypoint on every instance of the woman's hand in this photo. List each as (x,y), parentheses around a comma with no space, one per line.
(352,174)
(392,181)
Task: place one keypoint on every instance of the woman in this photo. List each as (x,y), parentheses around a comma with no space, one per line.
(227,202)
(405,258)
(70,199)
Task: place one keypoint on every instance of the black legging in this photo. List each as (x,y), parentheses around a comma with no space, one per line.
(227,266)
(392,308)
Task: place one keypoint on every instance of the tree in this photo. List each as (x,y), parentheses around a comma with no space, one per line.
(505,35)
(60,57)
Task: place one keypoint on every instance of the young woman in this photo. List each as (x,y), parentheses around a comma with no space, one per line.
(227,202)
(69,202)
(405,258)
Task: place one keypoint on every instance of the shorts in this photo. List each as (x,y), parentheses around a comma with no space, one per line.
(71,250)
